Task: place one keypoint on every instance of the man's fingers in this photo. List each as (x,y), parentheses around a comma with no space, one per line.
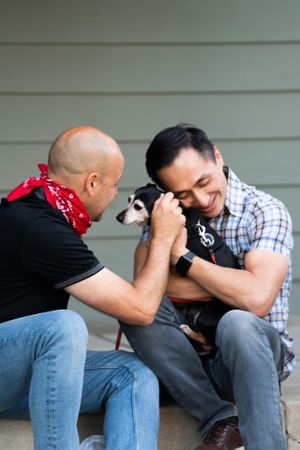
(167,218)
(166,199)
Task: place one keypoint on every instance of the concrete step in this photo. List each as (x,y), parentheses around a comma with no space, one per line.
(178,430)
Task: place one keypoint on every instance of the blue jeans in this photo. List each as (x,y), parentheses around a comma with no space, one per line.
(244,371)
(47,375)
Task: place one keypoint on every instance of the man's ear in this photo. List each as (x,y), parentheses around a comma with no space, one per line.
(92,183)
(218,156)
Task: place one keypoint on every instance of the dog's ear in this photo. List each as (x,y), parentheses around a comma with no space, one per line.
(153,186)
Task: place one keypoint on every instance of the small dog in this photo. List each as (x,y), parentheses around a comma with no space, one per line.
(202,316)
(140,205)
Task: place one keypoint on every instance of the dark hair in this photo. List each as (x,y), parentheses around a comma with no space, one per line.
(167,144)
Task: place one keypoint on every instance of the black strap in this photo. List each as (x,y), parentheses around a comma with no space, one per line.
(205,242)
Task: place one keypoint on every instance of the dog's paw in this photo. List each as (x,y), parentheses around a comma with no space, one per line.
(197,336)
(186,329)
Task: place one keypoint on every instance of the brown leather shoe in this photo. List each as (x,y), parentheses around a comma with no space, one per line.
(225,435)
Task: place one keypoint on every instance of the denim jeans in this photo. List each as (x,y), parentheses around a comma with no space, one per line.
(243,371)
(47,375)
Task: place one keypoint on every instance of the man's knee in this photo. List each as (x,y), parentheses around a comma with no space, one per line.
(145,381)
(134,371)
(166,316)
(68,327)
(235,328)
(146,377)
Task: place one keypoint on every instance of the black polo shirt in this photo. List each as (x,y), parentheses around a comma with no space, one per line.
(40,254)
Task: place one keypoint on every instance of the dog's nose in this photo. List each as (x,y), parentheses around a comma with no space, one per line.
(120,216)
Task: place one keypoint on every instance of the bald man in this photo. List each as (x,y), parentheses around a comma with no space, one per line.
(46,374)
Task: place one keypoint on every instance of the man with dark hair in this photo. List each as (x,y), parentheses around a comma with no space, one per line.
(46,374)
(254,351)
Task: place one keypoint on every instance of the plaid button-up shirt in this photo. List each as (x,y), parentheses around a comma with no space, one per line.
(251,220)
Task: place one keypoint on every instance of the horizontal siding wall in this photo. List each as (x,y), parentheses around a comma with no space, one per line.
(133,68)
(141,21)
(160,68)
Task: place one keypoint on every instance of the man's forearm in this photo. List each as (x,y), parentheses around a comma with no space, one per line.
(184,287)
(152,281)
(254,288)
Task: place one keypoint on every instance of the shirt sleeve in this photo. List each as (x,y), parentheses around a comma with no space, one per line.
(271,228)
(53,252)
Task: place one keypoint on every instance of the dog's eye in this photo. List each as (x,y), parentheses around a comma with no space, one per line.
(137,207)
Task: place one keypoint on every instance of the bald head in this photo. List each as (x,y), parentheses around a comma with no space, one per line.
(91,163)
(80,150)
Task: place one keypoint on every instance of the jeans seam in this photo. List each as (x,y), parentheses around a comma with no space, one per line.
(134,410)
(275,384)
(51,395)
(133,393)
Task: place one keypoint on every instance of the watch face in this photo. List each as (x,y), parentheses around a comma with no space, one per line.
(184,263)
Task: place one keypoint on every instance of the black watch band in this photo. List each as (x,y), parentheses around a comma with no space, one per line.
(184,263)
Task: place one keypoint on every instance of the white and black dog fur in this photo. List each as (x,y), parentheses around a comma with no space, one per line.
(140,205)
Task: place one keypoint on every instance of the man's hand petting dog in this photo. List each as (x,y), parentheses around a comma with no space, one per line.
(167,220)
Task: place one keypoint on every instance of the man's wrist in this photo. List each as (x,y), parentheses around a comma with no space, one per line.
(161,241)
(184,263)
(179,253)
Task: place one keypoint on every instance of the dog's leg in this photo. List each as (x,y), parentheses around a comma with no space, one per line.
(197,336)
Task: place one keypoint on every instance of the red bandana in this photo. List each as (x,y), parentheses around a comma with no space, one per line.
(59,196)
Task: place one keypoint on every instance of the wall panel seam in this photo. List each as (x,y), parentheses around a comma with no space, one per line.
(162,93)
(152,43)
(147,141)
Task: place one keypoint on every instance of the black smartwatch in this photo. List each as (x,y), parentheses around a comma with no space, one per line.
(184,263)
